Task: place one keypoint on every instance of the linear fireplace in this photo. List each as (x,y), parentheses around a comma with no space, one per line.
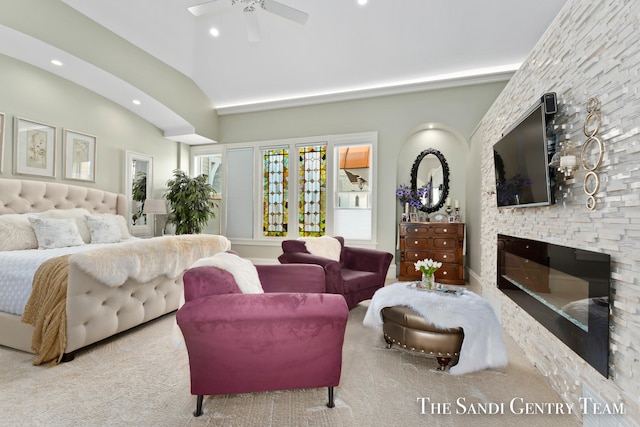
(565,289)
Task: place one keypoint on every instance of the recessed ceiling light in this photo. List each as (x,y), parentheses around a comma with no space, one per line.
(362,2)
(214,31)
(135,101)
(56,62)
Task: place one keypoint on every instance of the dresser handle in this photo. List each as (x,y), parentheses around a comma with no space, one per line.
(444,256)
(415,242)
(444,273)
(444,243)
(445,230)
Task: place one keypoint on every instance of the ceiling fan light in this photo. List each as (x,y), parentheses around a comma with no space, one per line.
(363,2)
(214,31)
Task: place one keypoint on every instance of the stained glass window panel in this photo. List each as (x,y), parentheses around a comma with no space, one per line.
(276,174)
(313,190)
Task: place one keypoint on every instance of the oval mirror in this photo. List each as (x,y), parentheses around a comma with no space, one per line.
(430,170)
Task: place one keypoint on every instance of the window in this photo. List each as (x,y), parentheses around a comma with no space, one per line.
(312,194)
(275,170)
(301,187)
(208,161)
(353,214)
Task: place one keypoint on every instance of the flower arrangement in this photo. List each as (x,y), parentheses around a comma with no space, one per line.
(427,266)
(415,198)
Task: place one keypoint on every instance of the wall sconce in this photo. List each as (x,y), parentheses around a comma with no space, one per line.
(568,165)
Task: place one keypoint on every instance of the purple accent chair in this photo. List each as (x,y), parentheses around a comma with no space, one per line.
(289,337)
(357,276)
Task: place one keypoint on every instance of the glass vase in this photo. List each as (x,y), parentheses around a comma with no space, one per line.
(428,281)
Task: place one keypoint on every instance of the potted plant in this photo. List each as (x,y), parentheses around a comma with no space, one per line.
(190,202)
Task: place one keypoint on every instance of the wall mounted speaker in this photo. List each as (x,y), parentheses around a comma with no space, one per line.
(550,103)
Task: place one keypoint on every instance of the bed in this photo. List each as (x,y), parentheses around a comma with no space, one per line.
(111,286)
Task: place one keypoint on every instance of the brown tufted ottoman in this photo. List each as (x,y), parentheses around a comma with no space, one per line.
(405,327)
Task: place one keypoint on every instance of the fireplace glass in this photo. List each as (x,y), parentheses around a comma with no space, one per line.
(565,289)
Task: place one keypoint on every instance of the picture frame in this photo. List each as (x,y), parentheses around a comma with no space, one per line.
(413,217)
(34,148)
(2,122)
(79,156)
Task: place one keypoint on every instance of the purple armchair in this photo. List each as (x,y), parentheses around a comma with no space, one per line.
(357,276)
(289,337)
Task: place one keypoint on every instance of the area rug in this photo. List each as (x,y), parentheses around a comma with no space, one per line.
(140,379)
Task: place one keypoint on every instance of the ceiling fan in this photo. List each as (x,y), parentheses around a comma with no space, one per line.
(250,13)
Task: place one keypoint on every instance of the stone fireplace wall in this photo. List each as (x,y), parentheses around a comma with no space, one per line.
(592,49)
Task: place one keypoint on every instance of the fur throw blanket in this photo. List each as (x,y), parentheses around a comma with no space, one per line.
(324,246)
(483,345)
(243,271)
(144,259)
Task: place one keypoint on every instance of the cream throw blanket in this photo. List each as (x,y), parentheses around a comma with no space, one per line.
(144,259)
(243,271)
(324,246)
(483,345)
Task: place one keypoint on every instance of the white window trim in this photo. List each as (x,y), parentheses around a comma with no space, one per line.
(332,141)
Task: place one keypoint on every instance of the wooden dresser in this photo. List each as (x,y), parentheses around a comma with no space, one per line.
(440,241)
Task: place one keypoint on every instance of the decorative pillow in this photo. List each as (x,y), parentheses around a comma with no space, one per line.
(78,214)
(324,246)
(243,270)
(122,224)
(56,233)
(17,233)
(103,229)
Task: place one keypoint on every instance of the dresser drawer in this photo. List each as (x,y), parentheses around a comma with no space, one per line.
(445,229)
(408,271)
(412,242)
(448,273)
(446,256)
(444,242)
(416,255)
(415,229)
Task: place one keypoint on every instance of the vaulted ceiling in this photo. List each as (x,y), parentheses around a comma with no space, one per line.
(343,47)
(344,50)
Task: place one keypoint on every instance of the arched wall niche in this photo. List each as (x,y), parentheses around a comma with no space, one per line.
(448,141)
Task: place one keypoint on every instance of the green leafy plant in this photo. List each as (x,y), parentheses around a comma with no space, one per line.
(191,203)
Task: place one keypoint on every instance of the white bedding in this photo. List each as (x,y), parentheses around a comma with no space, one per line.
(17,269)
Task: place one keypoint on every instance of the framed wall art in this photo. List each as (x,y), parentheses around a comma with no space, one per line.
(79,156)
(34,148)
(2,118)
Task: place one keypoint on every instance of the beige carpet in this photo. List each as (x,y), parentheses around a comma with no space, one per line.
(140,379)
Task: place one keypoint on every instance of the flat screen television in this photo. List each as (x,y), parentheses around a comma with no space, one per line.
(521,159)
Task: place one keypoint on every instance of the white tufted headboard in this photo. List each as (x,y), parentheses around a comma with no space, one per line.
(23,196)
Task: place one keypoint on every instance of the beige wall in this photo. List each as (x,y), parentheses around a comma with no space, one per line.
(395,118)
(592,49)
(34,94)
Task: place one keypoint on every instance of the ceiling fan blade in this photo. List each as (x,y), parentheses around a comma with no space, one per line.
(253,26)
(285,11)
(204,8)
